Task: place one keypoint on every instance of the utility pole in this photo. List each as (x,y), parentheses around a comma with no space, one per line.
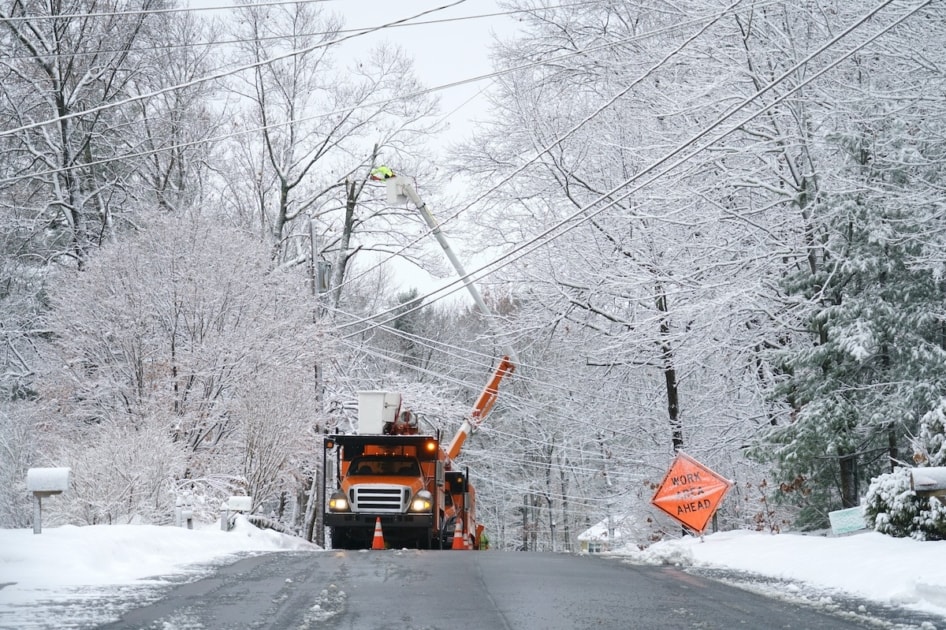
(315,506)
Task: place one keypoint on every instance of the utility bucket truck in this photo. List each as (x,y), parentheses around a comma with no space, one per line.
(390,474)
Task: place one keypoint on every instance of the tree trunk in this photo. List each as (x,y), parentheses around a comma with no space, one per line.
(670,373)
(848,464)
(310,508)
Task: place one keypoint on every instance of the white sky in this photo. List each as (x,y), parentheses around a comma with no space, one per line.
(83,565)
(452,44)
(443,52)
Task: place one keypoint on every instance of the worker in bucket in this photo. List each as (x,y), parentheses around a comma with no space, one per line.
(381,173)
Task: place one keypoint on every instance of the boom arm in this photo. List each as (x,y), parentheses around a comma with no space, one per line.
(481,408)
(400,188)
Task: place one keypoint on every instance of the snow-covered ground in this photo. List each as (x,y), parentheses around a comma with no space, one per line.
(81,569)
(889,571)
(80,577)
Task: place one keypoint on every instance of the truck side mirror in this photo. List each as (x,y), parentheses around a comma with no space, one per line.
(456,482)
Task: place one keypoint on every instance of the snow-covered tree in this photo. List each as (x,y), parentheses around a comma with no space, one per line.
(172,334)
(873,362)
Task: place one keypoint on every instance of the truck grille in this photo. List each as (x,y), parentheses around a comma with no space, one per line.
(368,498)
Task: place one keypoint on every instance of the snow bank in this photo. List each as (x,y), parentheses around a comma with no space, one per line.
(897,571)
(34,565)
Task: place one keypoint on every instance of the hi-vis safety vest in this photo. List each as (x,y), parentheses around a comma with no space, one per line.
(381,172)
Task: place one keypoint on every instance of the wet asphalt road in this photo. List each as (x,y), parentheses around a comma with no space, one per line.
(428,590)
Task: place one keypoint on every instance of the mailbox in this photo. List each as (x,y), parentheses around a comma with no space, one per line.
(239,504)
(48,480)
(928,482)
(231,507)
(45,482)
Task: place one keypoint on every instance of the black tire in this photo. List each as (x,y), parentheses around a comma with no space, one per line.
(340,538)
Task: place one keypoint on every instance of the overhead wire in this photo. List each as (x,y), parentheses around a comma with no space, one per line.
(218,75)
(536,240)
(525,249)
(585,213)
(342,110)
(230,42)
(486,362)
(521,438)
(255,5)
(130,12)
(548,232)
(561,446)
(707,130)
(485,367)
(704,21)
(759,94)
(539,243)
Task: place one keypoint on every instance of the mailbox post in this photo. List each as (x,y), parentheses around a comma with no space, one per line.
(45,482)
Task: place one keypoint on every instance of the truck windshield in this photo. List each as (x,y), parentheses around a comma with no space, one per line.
(398,466)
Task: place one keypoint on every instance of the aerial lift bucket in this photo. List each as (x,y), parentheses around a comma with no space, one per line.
(395,191)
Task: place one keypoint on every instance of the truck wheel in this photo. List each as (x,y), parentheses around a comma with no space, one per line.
(340,538)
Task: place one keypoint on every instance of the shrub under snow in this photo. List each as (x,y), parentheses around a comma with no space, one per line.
(892,508)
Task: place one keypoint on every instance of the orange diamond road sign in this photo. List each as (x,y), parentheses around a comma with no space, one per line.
(690,492)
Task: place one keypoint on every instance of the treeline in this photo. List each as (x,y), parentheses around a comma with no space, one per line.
(714,227)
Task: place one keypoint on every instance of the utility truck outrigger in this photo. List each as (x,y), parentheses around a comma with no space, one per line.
(390,473)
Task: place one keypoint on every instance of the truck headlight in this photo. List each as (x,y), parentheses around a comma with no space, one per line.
(422,502)
(338,502)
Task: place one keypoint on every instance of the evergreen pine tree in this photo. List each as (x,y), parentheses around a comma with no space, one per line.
(874,363)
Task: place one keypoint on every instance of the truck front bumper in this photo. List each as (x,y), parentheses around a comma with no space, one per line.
(368,519)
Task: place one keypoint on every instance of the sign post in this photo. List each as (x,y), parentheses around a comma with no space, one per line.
(690,492)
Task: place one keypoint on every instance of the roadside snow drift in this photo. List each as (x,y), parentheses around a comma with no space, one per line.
(896,571)
(63,563)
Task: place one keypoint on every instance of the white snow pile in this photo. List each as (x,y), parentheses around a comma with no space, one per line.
(872,566)
(60,561)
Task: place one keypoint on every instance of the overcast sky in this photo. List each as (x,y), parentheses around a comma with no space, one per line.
(447,44)
(453,45)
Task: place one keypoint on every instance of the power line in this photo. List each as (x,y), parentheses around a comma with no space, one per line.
(585,213)
(575,128)
(709,129)
(558,140)
(139,12)
(485,362)
(230,42)
(538,242)
(218,75)
(545,412)
(418,93)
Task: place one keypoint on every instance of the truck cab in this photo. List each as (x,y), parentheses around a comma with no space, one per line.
(389,472)
(397,478)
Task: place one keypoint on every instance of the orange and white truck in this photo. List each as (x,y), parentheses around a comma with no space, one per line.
(392,474)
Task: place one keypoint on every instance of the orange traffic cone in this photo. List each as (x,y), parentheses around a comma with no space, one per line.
(378,541)
(458,536)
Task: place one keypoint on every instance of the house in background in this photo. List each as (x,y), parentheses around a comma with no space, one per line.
(607,535)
